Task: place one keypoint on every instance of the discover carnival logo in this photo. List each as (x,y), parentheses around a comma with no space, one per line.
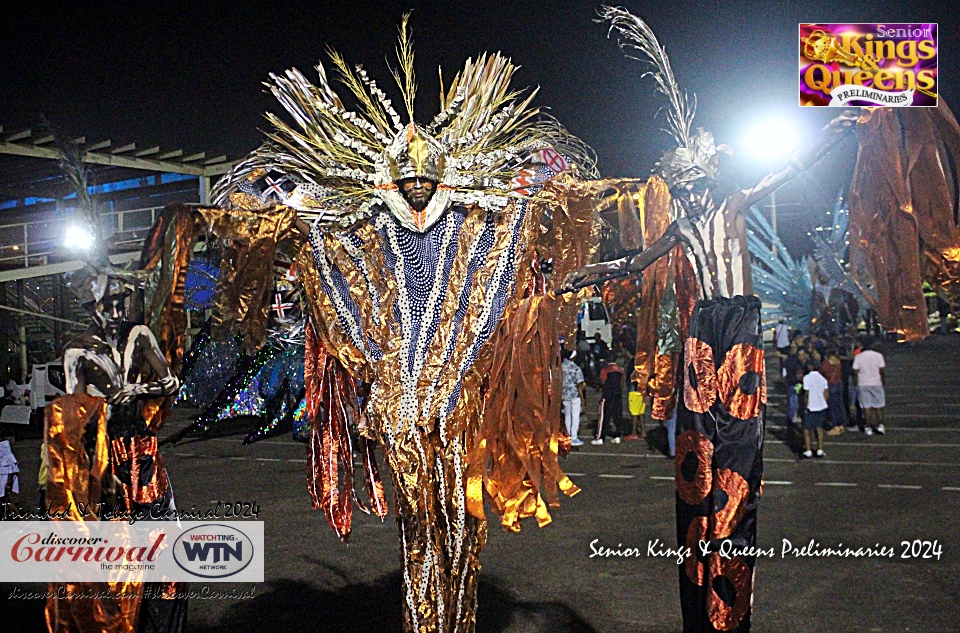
(890,65)
(213,551)
(117,551)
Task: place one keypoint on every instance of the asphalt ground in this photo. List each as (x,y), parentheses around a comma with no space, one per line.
(878,491)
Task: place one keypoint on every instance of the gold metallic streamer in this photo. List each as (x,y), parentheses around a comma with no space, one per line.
(522,417)
(74,478)
(246,270)
(902,196)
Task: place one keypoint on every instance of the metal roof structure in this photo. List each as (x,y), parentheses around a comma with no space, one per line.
(29,171)
(129,183)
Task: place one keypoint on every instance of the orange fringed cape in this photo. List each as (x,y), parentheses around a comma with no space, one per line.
(903,214)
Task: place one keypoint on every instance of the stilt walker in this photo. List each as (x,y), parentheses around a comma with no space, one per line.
(719,437)
(423,268)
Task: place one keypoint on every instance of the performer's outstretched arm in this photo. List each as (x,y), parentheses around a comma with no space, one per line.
(166,383)
(593,273)
(735,205)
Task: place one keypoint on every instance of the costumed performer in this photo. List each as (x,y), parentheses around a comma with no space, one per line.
(102,449)
(427,265)
(720,414)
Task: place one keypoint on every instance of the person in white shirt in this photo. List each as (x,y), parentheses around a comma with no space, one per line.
(817,391)
(9,479)
(782,336)
(870,378)
(573,396)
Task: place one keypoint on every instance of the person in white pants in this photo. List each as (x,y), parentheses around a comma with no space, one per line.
(573,395)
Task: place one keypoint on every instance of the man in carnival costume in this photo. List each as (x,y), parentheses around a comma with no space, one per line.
(431,327)
(101,446)
(698,288)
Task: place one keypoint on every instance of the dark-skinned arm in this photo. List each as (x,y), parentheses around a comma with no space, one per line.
(166,384)
(632,264)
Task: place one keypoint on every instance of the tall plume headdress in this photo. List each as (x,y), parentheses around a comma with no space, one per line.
(347,163)
(696,154)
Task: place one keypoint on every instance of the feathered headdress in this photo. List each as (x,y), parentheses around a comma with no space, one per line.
(696,155)
(347,163)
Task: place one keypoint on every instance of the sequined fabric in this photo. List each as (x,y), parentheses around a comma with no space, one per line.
(411,314)
(239,396)
(213,367)
(416,308)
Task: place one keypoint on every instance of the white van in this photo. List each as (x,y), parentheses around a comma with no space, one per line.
(47,383)
(594,319)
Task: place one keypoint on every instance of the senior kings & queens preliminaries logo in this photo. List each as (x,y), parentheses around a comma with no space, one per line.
(868,64)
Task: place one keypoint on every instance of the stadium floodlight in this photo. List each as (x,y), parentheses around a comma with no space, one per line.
(77,238)
(771,139)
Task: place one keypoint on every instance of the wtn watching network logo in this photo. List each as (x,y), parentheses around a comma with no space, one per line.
(213,551)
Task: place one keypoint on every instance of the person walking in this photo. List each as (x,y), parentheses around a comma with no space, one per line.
(816,390)
(868,369)
(793,366)
(599,352)
(573,395)
(782,337)
(832,369)
(611,403)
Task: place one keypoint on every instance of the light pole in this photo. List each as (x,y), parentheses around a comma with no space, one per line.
(773,220)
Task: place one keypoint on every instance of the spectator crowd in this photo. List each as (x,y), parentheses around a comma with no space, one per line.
(833,383)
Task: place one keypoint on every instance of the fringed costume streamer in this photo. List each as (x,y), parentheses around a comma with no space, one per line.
(667,294)
(522,417)
(246,272)
(405,293)
(654,213)
(332,407)
(78,453)
(167,250)
(568,237)
(393,348)
(903,195)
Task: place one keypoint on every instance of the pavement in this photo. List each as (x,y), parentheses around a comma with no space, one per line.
(899,491)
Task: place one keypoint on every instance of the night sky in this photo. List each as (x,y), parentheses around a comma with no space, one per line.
(189,75)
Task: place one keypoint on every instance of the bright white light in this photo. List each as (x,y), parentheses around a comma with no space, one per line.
(771,139)
(77,238)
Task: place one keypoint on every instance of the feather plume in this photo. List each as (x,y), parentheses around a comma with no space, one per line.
(638,41)
(487,128)
(782,283)
(408,83)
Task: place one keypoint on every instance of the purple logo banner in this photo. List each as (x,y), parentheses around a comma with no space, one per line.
(893,65)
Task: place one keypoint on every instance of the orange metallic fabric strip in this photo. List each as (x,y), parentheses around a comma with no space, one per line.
(76,444)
